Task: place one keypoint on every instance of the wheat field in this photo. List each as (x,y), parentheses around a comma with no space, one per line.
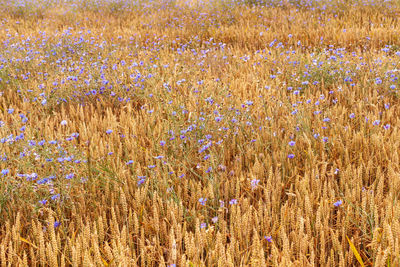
(199,133)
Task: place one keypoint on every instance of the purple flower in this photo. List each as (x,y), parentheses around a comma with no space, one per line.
(352,116)
(69,176)
(129,162)
(290,156)
(292,143)
(268,238)
(162,143)
(203,225)
(109,131)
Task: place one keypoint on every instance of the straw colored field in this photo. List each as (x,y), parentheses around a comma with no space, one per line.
(199,133)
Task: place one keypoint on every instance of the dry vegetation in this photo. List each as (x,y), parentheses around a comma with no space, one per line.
(199,133)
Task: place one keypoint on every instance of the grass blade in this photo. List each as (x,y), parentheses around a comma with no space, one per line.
(356,254)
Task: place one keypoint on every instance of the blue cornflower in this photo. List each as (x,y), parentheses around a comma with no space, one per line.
(54,197)
(75,135)
(233,201)
(254,183)
(376,122)
(5,172)
(141,180)
(203,201)
(338,203)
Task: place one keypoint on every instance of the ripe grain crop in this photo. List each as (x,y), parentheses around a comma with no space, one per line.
(199,133)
